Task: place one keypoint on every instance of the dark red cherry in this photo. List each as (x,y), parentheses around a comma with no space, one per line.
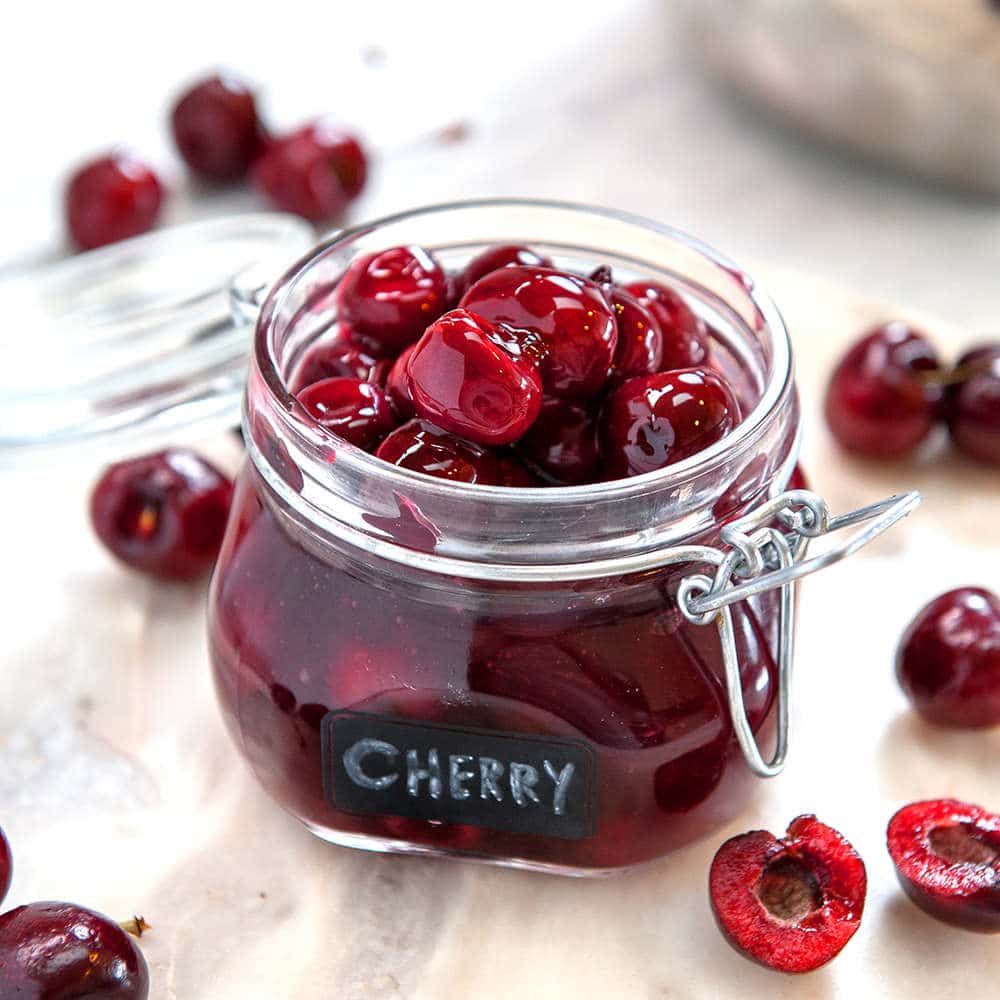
(684,334)
(6,866)
(974,405)
(496,257)
(313,172)
(422,447)
(656,420)
(569,313)
(563,443)
(947,858)
(460,380)
(790,904)
(640,341)
(879,402)
(393,296)
(164,514)
(356,411)
(948,660)
(216,128)
(514,473)
(58,951)
(396,386)
(112,198)
(338,355)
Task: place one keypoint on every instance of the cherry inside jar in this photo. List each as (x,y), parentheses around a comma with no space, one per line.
(420,665)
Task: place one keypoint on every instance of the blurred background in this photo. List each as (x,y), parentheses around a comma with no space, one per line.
(700,113)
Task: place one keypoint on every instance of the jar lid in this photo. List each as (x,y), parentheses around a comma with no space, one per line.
(138,342)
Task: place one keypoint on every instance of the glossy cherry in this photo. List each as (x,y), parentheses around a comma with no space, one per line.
(339,355)
(655,420)
(947,858)
(6,865)
(569,313)
(880,401)
(948,660)
(974,405)
(396,387)
(640,340)
(313,172)
(563,442)
(496,257)
(216,128)
(790,903)
(164,514)
(684,334)
(357,411)
(422,447)
(112,198)
(459,379)
(393,296)
(58,951)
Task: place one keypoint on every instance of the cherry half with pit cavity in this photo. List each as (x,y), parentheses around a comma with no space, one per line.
(947,858)
(59,951)
(357,411)
(793,903)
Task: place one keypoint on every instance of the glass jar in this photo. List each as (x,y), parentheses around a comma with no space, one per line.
(417,665)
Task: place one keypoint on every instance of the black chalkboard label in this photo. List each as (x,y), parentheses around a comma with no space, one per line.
(375,764)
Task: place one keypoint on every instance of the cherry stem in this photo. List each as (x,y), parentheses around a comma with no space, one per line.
(137,926)
(954,376)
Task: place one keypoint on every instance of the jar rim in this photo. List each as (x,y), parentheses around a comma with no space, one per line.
(358,461)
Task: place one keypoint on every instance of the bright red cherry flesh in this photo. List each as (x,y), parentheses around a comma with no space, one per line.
(216,128)
(422,447)
(563,442)
(313,172)
(164,514)
(58,951)
(393,296)
(496,257)
(974,405)
(112,198)
(357,411)
(791,904)
(684,335)
(6,865)
(948,660)
(947,858)
(656,420)
(881,401)
(570,314)
(459,379)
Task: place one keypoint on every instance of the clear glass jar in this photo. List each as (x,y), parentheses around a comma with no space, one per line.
(410,664)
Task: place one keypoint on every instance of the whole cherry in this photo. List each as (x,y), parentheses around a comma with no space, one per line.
(422,447)
(164,514)
(459,379)
(339,354)
(948,659)
(947,858)
(6,865)
(216,128)
(393,296)
(974,404)
(112,198)
(684,335)
(882,399)
(357,411)
(59,951)
(396,387)
(496,257)
(792,903)
(563,442)
(655,420)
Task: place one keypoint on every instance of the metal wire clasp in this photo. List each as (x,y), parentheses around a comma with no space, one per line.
(766,550)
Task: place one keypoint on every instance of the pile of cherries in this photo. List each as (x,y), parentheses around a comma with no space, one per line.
(890,390)
(59,951)
(314,171)
(513,372)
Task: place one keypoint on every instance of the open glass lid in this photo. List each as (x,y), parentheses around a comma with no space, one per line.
(139,342)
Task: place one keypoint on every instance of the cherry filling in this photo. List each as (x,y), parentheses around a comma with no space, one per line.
(947,858)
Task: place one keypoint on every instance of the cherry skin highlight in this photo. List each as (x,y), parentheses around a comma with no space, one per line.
(313,172)
(59,951)
(496,257)
(6,865)
(393,296)
(948,659)
(163,514)
(422,447)
(880,402)
(974,405)
(356,411)
(569,314)
(216,128)
(947,858)
(563,442)
(459,379)
(112,198)
(684,335)
(655,420)
(791,904)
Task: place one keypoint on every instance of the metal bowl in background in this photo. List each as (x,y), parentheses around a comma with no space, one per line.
(911,82)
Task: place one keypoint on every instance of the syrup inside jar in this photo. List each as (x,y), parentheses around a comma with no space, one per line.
(421,665)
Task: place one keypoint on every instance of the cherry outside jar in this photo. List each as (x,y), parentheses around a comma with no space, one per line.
(574,679)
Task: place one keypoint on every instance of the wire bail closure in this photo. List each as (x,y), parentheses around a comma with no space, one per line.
(766,550)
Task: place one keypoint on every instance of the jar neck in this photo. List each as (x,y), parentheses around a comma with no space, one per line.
(338,493)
